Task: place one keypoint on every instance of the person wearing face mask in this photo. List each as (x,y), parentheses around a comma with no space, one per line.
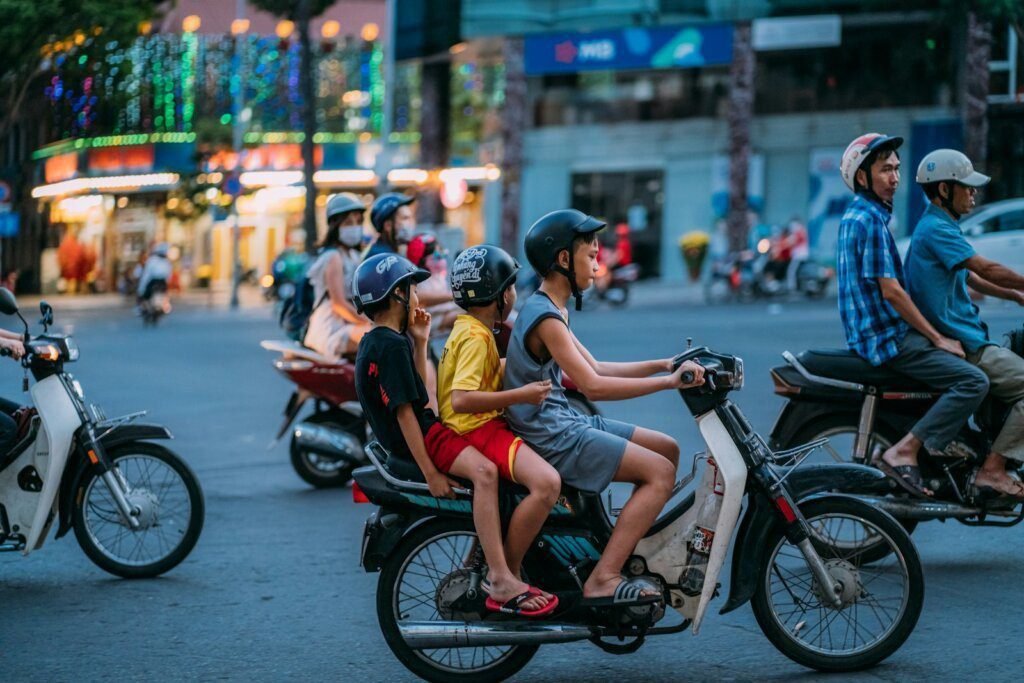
(335,327)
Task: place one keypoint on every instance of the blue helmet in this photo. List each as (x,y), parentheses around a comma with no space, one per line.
(386,206)
(378,276)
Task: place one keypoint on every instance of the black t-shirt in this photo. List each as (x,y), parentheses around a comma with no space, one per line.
(386,378)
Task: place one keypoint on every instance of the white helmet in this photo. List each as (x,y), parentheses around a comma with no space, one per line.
(344,202)
(859,150)
(949,165)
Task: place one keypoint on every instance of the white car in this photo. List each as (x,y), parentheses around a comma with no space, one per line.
(996,231)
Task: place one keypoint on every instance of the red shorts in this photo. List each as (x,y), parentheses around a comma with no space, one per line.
(444,445)
(498,444)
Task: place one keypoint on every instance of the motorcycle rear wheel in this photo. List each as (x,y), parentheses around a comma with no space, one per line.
(404,592)
(173,511)
(899,581)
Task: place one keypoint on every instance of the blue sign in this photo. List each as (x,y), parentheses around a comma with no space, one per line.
(9,224)
(662,47)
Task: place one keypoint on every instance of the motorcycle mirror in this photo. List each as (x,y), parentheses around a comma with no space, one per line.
(8,304)
(47,312)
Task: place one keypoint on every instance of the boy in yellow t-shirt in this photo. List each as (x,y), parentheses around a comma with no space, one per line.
(470,398)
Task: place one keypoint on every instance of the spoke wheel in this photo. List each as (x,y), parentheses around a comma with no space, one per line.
(170,507)
(881,601)
(418,583)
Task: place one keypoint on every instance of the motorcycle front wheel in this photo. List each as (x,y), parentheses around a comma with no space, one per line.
(424,573)
(171,508)
(881,600)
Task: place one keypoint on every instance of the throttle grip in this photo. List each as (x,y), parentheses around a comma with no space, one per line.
(5,351)
(687,376)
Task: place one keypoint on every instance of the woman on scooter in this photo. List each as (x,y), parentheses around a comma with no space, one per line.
(335,327)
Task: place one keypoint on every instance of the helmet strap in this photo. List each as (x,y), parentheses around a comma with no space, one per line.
(405,305)
(947,201)
(570,275)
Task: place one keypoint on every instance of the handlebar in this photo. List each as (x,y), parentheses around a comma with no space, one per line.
(5,351)
(687,378)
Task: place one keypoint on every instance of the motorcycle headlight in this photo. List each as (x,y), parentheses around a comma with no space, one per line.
(738,374)
(72,349)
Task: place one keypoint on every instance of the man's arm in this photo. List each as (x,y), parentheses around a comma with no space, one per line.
(557,339)
(14,336)
(898,298)
(994,273)
(983,286)
(644,368)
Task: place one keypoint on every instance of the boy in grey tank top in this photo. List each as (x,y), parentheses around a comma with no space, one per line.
(588,452)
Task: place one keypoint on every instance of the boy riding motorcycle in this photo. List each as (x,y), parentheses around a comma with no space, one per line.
(588,452)
(882,324)
(941,265)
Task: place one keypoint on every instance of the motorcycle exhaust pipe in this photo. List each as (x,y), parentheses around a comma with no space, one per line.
(920,509)
(332,443)
(424,635)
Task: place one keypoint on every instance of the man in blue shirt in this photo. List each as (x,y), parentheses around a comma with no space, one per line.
(941,265)
(881,322)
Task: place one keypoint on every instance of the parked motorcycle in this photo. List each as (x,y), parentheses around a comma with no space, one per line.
(328,444)
(136,508)
(861,409)
(797,558)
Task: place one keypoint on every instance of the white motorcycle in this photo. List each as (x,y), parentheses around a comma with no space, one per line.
(136,508)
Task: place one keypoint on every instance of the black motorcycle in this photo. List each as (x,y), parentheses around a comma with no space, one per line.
(798,558)
(863,409)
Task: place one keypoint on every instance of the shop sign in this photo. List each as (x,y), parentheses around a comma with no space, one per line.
(61,167)
(121,160)
(10,223)
(794,33)
(662,47)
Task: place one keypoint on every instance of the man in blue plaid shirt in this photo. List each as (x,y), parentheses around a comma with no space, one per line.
(882,324)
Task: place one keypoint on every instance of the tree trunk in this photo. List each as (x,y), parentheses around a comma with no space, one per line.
(739,115)
(975,88)
(435,130)
(514,123)
(308,124)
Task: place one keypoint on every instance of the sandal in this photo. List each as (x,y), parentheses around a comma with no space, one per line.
(512,605)
(985,493)
(907,476)
(627,594)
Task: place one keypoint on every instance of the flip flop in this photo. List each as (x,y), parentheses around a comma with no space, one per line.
(907,476)
(486,585)
(512,605)
(985,493)
(626,594)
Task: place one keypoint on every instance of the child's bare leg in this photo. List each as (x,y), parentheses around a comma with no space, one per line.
(504,585)
(663,444)
(544,484)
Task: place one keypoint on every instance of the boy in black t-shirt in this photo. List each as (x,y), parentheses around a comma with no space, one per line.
(390,373)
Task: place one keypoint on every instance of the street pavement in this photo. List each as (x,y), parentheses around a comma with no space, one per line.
(273,590)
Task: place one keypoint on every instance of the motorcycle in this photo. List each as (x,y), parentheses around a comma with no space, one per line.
(136,508)
(797,558)
(835,394)
(742,276)
(155,304)
(328,444)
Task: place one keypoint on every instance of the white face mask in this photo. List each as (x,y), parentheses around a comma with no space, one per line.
(404,235)
(351,236)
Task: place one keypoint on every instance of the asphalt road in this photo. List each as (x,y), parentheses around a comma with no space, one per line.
(273,591)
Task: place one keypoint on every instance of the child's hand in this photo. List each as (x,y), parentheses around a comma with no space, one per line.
(676,378)
(419,326)
(536,392)
(440,486)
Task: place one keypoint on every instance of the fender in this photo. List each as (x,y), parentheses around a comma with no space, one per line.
(796,414)
(761,519)
(78,463)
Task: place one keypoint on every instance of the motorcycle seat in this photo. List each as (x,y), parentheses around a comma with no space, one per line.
(845,365)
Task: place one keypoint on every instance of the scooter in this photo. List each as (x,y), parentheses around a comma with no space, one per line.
(156,305)
(136,508)
(798,558)
(616,292)
(861,409)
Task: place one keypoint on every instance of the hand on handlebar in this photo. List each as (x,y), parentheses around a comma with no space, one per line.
(687,375)
(13,348)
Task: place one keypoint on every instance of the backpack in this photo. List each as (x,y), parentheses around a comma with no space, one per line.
(295,311)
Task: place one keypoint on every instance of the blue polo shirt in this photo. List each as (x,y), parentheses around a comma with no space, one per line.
(378,247)
(937,279)
(866,252)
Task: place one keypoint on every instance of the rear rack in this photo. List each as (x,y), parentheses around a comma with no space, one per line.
(378,455)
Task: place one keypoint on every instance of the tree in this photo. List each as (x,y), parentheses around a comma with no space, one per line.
(739,115)
(29,26)
(302,12)
(514,123)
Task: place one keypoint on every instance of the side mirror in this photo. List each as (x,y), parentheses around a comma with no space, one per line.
(8,304)
(47,312)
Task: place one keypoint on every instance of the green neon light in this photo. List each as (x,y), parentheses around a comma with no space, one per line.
(65,146)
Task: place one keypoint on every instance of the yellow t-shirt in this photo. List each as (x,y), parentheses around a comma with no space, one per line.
(470,362)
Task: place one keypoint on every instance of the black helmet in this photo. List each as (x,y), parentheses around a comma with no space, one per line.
(481,275)
(378,276)
(552,234)
(386,206)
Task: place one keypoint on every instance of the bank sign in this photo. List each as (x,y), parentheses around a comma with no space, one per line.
(663,47)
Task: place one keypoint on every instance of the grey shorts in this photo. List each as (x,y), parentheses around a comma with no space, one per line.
(587,453)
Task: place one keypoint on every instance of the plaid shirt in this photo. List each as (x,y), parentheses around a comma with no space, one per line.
(867,251)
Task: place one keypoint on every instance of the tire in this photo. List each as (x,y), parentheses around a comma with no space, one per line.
(905,559)
(89,507)
(843,423)
(307,469)
(507,666)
